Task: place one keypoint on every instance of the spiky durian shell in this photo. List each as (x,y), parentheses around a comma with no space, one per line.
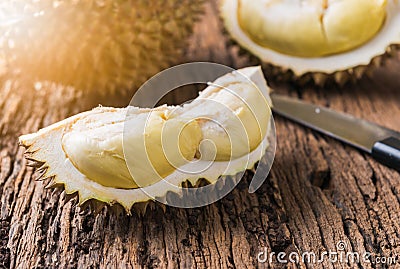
(45,152)
(45,145)
(340,76)
(102,45)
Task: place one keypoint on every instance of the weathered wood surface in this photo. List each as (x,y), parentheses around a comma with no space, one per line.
(320,192)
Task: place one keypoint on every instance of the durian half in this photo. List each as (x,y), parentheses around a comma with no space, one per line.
(102,46)
(225,130)
(315,39)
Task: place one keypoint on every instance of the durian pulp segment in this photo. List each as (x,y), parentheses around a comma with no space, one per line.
(311,28)
(347,39)
(237,114)
(84,152)
(97,151)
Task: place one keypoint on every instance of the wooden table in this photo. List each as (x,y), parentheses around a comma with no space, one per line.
(320,192)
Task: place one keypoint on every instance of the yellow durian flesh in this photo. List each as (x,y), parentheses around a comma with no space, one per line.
(234,114)
(311,28)
(98,152)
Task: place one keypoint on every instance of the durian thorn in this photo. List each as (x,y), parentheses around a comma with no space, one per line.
(186,184)
(341,77)
(350,71)
(51,183)
(97,206)
(84,208)
(152,206)
(92,206)
(33,160)
(376,61)
(28,152)
(359,71)
(70,197)
(163,207)
(22,144)
(57,188)
(117,210)
(140,208)
(40,175)
(34,164)
(126,209)
(201,183)
(46,177)
(42,168)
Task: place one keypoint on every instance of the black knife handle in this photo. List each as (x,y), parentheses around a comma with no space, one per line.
(387,152)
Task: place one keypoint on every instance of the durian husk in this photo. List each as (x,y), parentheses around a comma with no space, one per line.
(102,46)
(46,144)
(340,77)
(49,155)
(284,71)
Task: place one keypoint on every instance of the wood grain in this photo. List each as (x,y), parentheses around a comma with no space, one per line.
(318,193)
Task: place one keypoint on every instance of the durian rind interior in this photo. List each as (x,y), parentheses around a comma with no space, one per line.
(85,153)
(297,47)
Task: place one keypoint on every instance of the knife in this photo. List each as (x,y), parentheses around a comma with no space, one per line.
(382,143)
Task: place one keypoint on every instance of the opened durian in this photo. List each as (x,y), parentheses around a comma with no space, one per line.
(315,39)
(95,45)
(131,155)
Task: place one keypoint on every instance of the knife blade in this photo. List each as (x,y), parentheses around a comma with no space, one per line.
(382,143)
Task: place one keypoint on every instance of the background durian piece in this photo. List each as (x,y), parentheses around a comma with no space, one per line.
(96,45)
(341,67)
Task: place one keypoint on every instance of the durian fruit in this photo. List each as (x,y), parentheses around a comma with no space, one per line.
(121,155)
(104,46)
(315,39)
